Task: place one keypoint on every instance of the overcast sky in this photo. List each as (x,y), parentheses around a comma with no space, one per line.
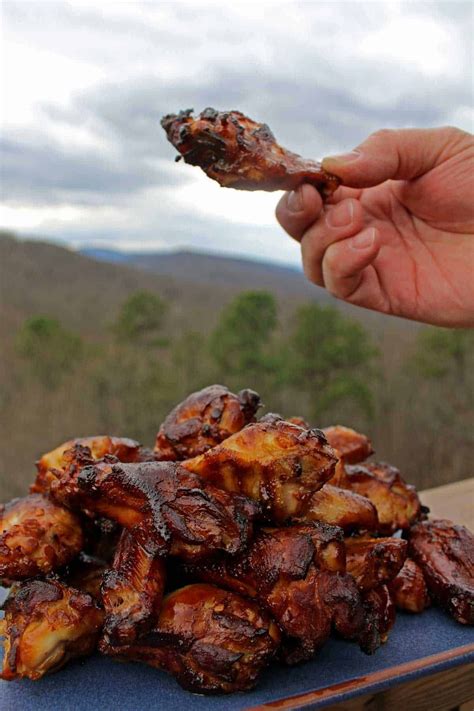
(84,85)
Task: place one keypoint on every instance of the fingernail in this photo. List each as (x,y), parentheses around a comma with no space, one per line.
(343,158)
(341,215)
(294,201)
(364,239)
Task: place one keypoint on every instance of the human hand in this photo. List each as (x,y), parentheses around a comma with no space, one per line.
(398,235)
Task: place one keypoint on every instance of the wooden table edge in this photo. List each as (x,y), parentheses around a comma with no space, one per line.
(360,684)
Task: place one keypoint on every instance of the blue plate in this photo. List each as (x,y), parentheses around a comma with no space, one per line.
(418,645)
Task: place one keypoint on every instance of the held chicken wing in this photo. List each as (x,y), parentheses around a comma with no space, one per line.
(132,590)
(165,505)
(298,575)
(126,450)
(408,589)
(445,554)
(46,624)
(342,508)
(397,503)
(36,537)
(204,419)
(277,464)
(374,561)
(240,153)
(211,640)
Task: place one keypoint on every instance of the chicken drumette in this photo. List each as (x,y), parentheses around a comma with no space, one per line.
(46,623)
(240,153)
(397,503)
(204,419)
(37,536)
(343,508)
(164,505)
(276,463)
(213,641)
(374,561)
(445,554)
(126,450)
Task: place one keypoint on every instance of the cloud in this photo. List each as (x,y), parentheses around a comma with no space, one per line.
(83,149)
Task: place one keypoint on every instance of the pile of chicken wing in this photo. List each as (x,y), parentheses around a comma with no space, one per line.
(235,542)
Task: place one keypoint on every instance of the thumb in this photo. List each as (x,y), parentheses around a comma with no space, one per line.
(395,155)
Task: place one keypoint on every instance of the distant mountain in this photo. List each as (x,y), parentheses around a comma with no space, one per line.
(213,269)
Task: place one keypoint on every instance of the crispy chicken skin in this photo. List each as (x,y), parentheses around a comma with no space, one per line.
(277,464)
(132,590)
(240,153)
(204,419)
(351,446)
(46,623)
(298,575)
(374,561)
(213,641)
(164,505)
(380,614)
(126,450)
(397,503)
(445,554)
(342,508)
(408,589)
(36,536)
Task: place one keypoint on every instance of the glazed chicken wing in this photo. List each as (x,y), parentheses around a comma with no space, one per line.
(445,554)
(165,505)
(240,153)
(211,640)
(374,561)
(46,623)
(36,536)
(86,573)
(132,590)
(126,450)
(408,589)
(203,420)
(397,502)
(277,464)
(351,446)
(298,575)
(343,508)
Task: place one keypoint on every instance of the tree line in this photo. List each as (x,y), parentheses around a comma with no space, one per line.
(323,366)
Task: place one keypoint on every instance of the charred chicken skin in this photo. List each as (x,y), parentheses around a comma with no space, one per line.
(278,464)
(397,503)
(408,589)
(126,450)
(46,623)
(213,641)
(380,614)
(165,506)
(298,575)
(445,554)
(203,420)
(240,153)
(342,508)
(374,561)
(132,590)
(36,536)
